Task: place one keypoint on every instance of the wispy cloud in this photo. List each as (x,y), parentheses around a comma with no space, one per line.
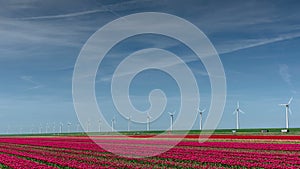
(238,45)
(112,8)
(285,74)
(64,15)
(35,84)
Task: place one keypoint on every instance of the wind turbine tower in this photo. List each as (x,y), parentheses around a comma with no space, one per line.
(148,121)
(171,120)
(60,127)
(53,127)
(128,122)
(99,121)
(78,126)
(69,125)
(113,121)
(237,112)
(88,125)
(201,118)
(287,111)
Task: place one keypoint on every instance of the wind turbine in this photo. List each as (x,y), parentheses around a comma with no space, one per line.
(287,110)
(40,128)
(46,127)
(32,128)
(78,126)
(53,127)
(113,121)
(69,124)
(128,123)
(200,119)
(99,121)
(60,127)
(88,125)
(148,121)
(171,118)
(237,112)
(7,131)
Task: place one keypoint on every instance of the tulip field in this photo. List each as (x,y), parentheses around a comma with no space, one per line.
(219,151)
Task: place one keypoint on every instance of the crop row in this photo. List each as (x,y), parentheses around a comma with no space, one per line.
(81,152)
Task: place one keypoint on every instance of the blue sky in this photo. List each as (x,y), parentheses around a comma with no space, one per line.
(258,43)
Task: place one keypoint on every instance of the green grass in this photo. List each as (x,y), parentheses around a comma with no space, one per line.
(272,131)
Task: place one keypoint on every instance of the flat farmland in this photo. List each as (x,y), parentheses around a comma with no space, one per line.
(219,151)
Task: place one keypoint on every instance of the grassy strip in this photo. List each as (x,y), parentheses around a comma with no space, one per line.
(2,166)
(257,131)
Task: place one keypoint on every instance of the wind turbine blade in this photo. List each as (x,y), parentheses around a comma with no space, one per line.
(242,111)
(234,112)
(201,111)
(238,104)
(290,100)
(290,111)
(282,104)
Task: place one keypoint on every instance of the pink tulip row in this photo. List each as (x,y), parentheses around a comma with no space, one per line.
(81,152)
(67,157)
(244,158)
(15,162)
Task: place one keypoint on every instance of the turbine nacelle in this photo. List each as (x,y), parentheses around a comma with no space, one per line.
(113,120)
(171,114)
(201,111)
(148,116)
(287,105)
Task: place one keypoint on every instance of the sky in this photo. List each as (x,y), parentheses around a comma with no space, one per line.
(257,41)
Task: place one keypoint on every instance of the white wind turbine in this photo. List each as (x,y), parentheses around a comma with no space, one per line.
(69,125)
(148,121)
(60,127)
(88,125)
(53,127)
(201,118)
(99,121)
(40,128)
(287,111)
(113,121)
(171,120)
(46,127)
(237,112)
(128,122)
(78,126)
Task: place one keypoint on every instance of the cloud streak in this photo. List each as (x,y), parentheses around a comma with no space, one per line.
(35,84)
(75,14)
(235,46)
(104,8)
(285,74)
